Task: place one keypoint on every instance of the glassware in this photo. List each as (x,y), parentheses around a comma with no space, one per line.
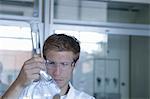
(35,37)
(45,88)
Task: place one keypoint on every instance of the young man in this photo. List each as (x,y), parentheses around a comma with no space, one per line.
(60,54)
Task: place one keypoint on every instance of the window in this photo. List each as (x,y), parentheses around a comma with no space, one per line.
(15,48)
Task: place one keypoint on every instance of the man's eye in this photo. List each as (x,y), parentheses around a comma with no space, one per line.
(51,63)
(64,64)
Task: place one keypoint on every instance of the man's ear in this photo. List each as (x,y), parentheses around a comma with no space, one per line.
(73,64)
(76,63)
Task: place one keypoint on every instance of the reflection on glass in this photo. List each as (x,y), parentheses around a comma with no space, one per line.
(15,48)
(19,37)
(26,8)
(91,42)
(99,11)
(93,45)
(3,85)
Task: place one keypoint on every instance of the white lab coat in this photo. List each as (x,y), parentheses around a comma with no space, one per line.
(72,94)
(75,94)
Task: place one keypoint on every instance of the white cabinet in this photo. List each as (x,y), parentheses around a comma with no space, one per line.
(107,78)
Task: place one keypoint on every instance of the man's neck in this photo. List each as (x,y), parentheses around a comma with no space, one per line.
(65,90)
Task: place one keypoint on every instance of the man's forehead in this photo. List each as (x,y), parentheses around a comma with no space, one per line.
(60,53)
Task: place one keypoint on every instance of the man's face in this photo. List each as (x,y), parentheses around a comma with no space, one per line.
(60,66)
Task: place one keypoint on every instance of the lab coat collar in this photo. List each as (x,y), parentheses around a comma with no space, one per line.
(71,93)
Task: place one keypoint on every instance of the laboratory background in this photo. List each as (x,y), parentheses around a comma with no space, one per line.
(114,36)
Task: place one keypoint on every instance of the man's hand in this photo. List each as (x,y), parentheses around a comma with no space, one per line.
(30,71)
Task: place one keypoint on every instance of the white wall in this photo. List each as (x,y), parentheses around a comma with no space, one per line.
(139,67)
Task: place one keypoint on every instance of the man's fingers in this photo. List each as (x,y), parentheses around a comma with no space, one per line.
(35,65)
(34,59)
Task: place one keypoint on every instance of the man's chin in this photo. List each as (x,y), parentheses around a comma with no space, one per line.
(60,84)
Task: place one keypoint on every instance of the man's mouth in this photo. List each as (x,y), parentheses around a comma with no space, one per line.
(58,80)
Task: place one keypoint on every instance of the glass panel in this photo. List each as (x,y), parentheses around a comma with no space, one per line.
(115,72)
(133,55)
(15,48)
(93,46)
(26,8)
(98,11)
(128,13)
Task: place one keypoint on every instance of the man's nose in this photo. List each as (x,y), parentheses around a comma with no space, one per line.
(57,69)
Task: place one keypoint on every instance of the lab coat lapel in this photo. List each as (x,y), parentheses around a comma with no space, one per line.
(71,93)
